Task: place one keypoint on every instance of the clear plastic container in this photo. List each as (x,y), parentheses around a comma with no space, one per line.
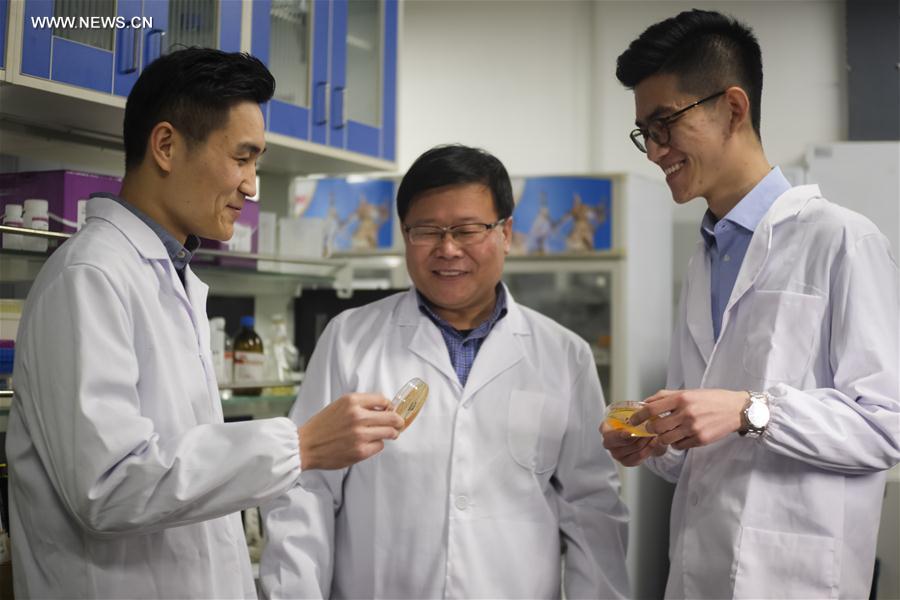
(409,400)
(618,414)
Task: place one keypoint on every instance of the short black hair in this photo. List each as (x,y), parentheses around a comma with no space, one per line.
(706,50)
(455,164)
(193,89)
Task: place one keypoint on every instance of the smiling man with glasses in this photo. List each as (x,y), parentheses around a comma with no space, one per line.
(781,413)
(502,475)
(657,128)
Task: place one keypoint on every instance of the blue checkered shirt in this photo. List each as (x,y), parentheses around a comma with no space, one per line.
(464,345)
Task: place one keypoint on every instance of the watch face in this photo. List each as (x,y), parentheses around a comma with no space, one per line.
(758,414)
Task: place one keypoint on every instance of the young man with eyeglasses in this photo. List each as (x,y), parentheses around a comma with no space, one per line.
(781,412)
(502,474)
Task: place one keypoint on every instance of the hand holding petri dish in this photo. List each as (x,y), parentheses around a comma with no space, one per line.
(619,413)
(409,400)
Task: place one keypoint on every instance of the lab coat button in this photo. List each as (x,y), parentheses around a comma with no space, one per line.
(694,499)
(461,502)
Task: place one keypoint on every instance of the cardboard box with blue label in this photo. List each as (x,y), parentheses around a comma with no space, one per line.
(355,216)
(556,215)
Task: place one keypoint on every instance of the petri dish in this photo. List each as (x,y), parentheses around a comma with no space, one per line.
(618,413)
(409,400)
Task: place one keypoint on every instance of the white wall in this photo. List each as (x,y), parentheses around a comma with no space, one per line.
(512,77)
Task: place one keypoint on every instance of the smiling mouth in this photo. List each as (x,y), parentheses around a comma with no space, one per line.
(673,168)
(449,273)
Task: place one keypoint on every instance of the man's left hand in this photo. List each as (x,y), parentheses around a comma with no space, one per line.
(688,418)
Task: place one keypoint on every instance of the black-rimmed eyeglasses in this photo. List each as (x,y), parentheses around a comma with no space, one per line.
(465,234)
(658,129)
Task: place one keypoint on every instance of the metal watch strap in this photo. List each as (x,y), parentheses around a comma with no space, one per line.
(747,428)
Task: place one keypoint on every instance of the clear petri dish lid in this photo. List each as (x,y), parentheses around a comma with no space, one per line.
(619,413)
(409,400)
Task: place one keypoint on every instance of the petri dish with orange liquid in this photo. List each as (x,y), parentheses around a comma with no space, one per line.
(409,400)
(619,413)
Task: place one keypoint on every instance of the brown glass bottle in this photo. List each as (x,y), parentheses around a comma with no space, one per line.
(249,360)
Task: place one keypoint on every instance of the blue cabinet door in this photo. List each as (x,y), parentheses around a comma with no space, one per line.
(4,19)
(87,63)
(292,40)
(106,52)
(364,77)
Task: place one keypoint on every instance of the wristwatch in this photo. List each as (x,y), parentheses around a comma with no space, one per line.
(755,415)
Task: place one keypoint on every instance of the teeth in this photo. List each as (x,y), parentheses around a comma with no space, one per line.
(673,168)
(448,273)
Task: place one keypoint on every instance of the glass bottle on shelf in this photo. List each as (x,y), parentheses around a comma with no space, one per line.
(284,351)
(249,358)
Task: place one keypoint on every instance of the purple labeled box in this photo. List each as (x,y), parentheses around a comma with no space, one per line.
(66,193)
(245,239)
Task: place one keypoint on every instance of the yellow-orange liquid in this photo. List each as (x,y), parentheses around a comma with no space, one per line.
(618,419)
(410,401)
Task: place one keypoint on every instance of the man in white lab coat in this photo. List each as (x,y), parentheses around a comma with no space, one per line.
(781,413)
(502,473)
(124,480)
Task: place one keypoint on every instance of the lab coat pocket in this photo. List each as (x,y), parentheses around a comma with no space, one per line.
(531,435)
(782,329)
(778,564)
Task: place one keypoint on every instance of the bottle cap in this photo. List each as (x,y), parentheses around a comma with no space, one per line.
(13,210)
(247,321)
(36,206)
(409,400)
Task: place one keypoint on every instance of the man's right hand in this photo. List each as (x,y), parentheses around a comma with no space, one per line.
(627,448)
(350,429)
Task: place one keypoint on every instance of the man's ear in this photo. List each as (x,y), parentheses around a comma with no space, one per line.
(739,105)
(506,229)
(163,145)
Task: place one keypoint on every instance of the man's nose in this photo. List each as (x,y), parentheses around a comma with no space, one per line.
(656,152)
(448,245)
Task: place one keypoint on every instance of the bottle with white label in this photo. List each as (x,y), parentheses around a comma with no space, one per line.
(35,217)
(13,218)
(249,358)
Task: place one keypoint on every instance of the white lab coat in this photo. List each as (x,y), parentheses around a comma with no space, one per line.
(475,499)
(124,480)
(813,320)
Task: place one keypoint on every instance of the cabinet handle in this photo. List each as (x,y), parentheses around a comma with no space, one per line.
(126,66)
(320,103)
(339,93)
(154,51)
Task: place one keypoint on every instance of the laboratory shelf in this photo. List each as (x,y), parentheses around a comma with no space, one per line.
(221,270)
(257,407)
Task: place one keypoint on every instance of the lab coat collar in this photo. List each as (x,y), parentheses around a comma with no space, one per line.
(699,314)
(699,303)
(144,239)
(500,351)
(787,206)
(149,245)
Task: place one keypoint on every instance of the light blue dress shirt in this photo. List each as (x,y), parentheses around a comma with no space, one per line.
(727,239)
